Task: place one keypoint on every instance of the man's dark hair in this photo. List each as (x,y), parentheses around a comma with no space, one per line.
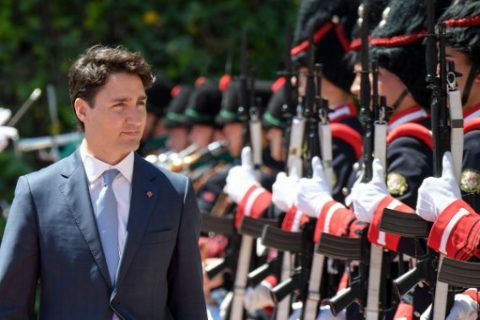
(92,69)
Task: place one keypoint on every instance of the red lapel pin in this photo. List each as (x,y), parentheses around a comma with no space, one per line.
(149,194)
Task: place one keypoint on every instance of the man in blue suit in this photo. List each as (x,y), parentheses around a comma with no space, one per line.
(105,234)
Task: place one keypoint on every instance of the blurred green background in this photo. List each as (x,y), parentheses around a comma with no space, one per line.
(181,39)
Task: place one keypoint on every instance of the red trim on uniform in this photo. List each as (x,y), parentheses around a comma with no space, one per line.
(278,84)
(200,81)
(224,82)
(290,215)
(462,22)
(472,125)
(391,240)
(272,280)
(339,221)
(343,283)
(342,37)
(473,293)
(464,236)
(403,113)
(356,44)
(289,218)
(411,129)
(261,202)
(404,311)
(471,110)
(397,41)
(349,135)
(175,90)
(352,112)
(319,34)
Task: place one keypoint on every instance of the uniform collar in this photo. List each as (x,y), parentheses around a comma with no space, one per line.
(412,114)
(94,167)
(342,111)
(472,113)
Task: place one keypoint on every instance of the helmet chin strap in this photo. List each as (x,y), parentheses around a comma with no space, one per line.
(400,99)
(468,85)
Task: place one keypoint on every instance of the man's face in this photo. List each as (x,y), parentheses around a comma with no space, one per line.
(390,86)
(275,139)
(463,66)
(115,122)
(200,135)
(233,135)
(177,138)
(355,87)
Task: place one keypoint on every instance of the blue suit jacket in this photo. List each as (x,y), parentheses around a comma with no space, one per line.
(51,238)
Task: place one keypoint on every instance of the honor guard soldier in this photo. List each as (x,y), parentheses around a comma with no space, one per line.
(461,24)
(175,119)
(203,106)
(396,45)
(332,23)
(455,222)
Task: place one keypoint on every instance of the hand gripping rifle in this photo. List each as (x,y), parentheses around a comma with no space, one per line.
(292,141)
(246,246)
(412,225)
(379,262)
(318,259)
(344,248)
(293,242)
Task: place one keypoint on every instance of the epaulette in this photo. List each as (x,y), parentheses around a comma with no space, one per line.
(413,130)
(349,135)
(471,125)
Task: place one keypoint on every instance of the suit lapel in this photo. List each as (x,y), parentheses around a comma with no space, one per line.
(77,195)
(145,194)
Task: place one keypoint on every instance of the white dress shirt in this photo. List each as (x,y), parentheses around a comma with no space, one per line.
(122,188)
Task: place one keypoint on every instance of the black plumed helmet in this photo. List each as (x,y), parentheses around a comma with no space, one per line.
(159,96)
(331,22)
(204,104)
(375,10)
(273,115)
(174,116)
(397,44)
(461,23)
(230,100)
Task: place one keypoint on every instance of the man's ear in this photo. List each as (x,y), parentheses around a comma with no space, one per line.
(80,106)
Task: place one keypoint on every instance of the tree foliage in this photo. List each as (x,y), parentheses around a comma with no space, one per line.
(181,39)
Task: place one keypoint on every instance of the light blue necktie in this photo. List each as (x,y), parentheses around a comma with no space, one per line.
(107,222)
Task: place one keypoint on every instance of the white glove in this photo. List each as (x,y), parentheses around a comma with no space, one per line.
(4,115)
(464,308)
(366,196)
(7,133)
(284,191)
(313,193)
(241,178)
(435,194)
(326,314)
(259,297)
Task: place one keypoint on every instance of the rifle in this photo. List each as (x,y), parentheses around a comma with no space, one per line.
(428,265)
(278,238)
(379,259)
(331,245)
(246,246)
(318,259)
